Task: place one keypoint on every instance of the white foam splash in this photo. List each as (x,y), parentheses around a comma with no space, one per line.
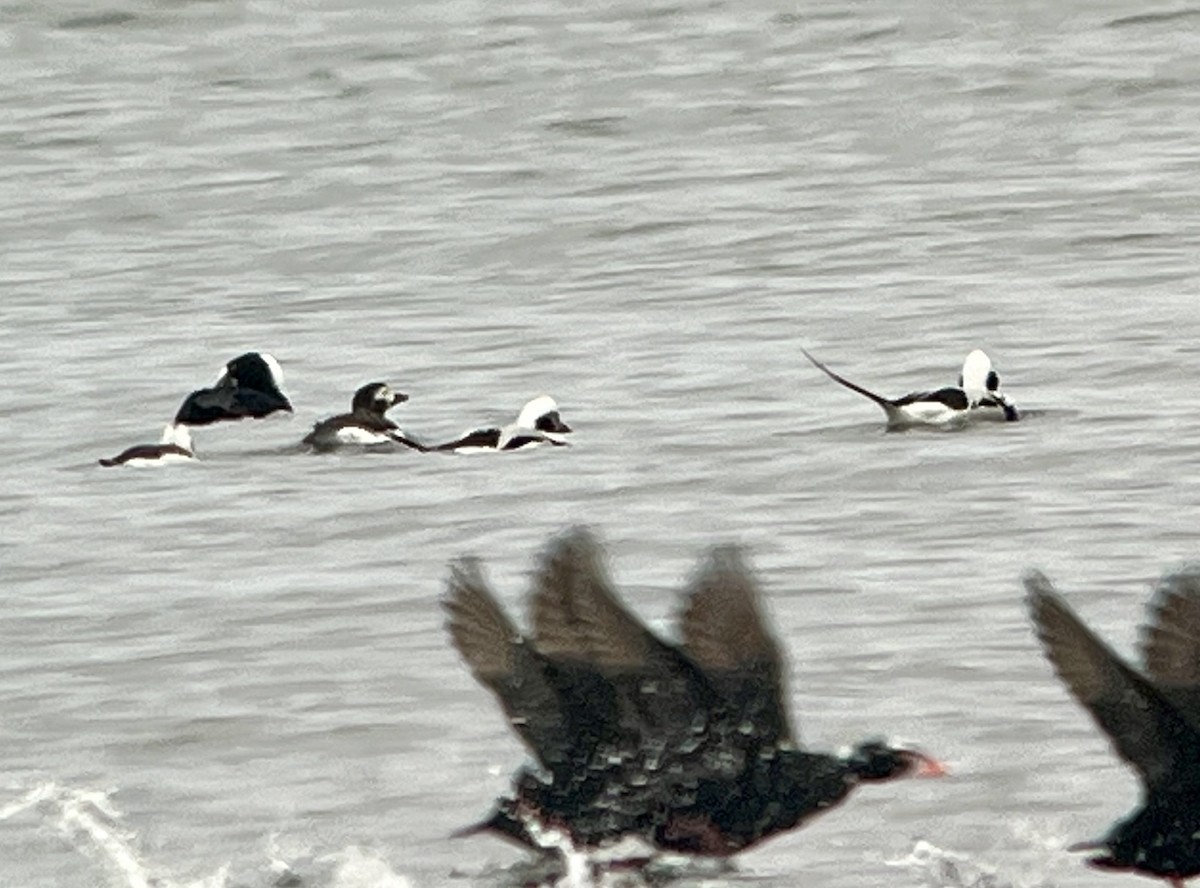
(282,860)
(89,821)
(621,865)
(93,825)
(578,868)
(941,868)
(356,868)
(31,799)
(91,814)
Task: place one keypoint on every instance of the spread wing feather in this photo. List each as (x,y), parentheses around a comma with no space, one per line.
(1145,727)
(724,632)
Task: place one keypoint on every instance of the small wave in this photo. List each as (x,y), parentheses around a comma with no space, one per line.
(1154,18)
(588,126)
(99,20)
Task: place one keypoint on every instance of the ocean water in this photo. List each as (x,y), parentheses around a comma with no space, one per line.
(234,673)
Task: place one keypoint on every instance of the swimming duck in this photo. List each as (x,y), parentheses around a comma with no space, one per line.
(365,425)
(538,423)
(977,396)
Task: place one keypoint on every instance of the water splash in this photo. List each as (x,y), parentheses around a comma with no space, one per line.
(90,822)
(31,799)
(578,868)
(90,816)
(356,868)
(941,868)
(629,863)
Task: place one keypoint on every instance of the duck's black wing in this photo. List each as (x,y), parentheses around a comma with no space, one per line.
(723,631)
(548,706)
(482,438)
(525,439)
(1171,641)
(490,643)
(324,433)
(661,740)
(565,712)
(229,402)
(577,617)
(1145,727)
(573,698)
(954,398)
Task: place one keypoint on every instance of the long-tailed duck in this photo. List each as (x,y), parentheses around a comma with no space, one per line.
(249,387)
(175,446)
(538,423)
(365,425)
(977,396)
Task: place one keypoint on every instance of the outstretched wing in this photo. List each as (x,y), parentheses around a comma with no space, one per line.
(1145,728)
(487,639)
(576,614)
(724,633)
(671,729)
(1171,640)
(577,618)
(504,662)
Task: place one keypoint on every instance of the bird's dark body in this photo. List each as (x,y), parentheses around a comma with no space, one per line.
(146,452)
(248,389)
(367,414)
(1159,839)
(686,747)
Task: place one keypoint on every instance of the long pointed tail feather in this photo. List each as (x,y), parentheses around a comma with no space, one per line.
(883,402)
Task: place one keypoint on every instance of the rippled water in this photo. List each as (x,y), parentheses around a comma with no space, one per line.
(213,671)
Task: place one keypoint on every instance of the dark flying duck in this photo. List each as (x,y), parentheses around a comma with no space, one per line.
(1151,717)
(684,748)
(365,425)
(977,396)
(538,423)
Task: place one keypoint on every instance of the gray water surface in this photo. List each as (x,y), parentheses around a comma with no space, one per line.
(644,210)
